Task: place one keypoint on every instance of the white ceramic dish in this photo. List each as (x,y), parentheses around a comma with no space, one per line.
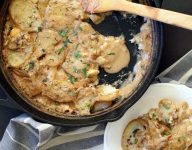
(151,98)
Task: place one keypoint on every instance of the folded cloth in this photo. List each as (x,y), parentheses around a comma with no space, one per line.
(24,133)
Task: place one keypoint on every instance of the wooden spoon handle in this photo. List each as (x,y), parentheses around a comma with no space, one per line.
(162,15)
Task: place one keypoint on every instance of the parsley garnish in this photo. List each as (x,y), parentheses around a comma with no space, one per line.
(61,50)
(75,32)
(112,53)
(77,46)
(88,104)
(39,29)
(31,65)
(75,69)
(136,140)
(166,106)
(57,103)
(80,28)
(84,71)
(165,133)
(45,80)
(66,42)
(153,115)
(64,32)
(77,54)
(71,78)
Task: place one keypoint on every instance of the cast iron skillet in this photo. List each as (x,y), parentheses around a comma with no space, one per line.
(113,25)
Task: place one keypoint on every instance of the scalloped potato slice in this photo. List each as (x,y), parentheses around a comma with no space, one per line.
(129,138)
(29,87)
(25,14)
(17,58)
(60,91)
(62,13)
(47,41)
(42,5)
(46,103)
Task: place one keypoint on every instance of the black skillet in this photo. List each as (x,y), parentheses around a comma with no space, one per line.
(114,25)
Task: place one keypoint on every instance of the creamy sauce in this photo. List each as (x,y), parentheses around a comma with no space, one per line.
(117,57)
(144,42)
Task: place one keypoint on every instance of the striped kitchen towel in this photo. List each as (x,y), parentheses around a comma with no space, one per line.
(24,133)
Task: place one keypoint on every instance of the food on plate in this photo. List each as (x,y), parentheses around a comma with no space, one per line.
(167,127)
(54,56)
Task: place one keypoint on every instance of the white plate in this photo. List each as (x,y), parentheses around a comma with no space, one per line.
(151,98)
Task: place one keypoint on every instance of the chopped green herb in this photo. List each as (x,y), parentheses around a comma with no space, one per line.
(71,78)
(77,54)
(153,115)
(45,80)
(165,133)
(75,32)
(112,53)
(166,106)
(61,50)
(77,46)
(88,65)
(57,103)
(80,28)
(75,69)
(66,42)
(88,104)
(39,29)
(136,140)
(84,71)
(31,65)
(64,32)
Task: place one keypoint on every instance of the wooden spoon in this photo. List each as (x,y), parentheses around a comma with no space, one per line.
(162,15)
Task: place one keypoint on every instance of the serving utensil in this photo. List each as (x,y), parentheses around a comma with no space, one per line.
(162,15)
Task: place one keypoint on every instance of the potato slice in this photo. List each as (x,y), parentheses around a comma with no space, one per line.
(17,58)
(62,13)
(47,41)
(130,140)
(42,5)
(25,14)
(60,91)
(29,87)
